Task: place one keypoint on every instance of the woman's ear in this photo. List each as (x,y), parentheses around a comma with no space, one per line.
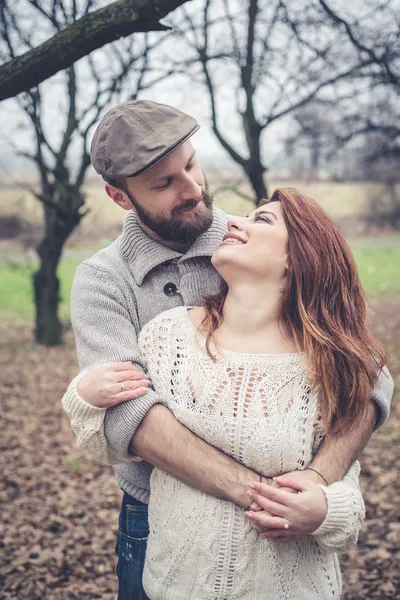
(286,269)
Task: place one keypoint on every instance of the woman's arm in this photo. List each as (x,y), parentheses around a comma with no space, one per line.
(345,515)
(102,384)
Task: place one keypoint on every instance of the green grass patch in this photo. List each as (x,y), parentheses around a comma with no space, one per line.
(16,289)
(378,263)
(379,267)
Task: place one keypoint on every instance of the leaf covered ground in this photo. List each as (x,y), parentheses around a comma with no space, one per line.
(59,510)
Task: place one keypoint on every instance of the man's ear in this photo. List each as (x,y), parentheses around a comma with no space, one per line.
(118,196)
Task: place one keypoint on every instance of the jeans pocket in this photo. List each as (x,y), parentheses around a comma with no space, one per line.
(134,524)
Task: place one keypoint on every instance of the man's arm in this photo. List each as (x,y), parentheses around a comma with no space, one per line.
(339,452)
(167,444)
(104,333)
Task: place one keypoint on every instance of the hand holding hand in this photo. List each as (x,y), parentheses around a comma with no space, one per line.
(111,383)
(256,507)
(302,512)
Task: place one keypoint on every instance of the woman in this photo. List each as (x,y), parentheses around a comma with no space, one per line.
(279,359)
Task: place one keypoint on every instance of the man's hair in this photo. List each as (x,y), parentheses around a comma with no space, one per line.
(117,183)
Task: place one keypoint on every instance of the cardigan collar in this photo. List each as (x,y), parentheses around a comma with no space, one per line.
(143,254)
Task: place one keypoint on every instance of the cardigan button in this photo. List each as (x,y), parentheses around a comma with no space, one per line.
(170,289)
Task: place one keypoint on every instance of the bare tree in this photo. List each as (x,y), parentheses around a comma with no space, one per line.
(310,139)
(370,108)
(370,123)
(70,43)
(260,61)
(82,93)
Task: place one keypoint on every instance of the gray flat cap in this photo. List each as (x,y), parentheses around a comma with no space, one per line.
(135,135)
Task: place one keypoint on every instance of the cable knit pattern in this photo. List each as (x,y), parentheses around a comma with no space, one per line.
(260,410)
(345,514)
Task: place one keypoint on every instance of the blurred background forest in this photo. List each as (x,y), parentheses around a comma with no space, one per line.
(289,93)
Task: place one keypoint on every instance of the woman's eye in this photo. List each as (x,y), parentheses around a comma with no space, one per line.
(189,167)
(263,218)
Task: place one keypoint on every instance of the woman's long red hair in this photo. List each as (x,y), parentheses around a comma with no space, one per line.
(324,307)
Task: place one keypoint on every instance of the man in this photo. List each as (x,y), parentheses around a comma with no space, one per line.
(162,259)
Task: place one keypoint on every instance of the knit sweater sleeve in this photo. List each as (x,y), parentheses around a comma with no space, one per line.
(104,332)
(346,513)
(382,396)
(87,422)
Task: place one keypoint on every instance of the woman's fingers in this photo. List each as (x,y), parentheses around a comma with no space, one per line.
(273,493)
(265,520)
(107,384)
(272,507)
(291,482)
(132,390)
(128,395)
(132,375)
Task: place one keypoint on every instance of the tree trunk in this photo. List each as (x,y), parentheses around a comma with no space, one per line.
(48,328)
(255,173)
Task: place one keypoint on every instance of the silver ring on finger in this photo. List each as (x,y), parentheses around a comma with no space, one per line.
(122,386)
(285,524)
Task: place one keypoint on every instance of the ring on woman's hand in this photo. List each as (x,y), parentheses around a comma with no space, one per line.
(286,525)
(122,386)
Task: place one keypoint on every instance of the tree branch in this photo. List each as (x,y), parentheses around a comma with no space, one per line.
(92,31)
(383,61)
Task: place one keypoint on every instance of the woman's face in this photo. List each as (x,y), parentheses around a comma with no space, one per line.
(255,245)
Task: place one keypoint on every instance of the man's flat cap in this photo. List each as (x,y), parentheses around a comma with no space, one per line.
(135,135)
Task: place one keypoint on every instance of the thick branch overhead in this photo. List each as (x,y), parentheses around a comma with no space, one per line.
(94,30)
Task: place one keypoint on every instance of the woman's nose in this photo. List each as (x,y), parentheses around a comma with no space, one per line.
(235,223)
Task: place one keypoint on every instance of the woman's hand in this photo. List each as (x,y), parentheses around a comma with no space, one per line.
(302,512)
(111,383)
(255,507)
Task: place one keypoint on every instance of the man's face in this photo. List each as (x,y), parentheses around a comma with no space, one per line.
(172,197)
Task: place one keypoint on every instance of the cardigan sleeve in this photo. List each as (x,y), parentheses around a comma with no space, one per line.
(104,332)
(346,513)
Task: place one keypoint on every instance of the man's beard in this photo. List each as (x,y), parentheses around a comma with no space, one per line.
(176,229)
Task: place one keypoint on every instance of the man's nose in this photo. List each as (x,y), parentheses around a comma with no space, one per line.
(190,188)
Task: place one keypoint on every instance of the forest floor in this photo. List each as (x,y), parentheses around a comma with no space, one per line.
(59,510)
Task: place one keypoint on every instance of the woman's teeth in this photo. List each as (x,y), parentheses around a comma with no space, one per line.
(232,241)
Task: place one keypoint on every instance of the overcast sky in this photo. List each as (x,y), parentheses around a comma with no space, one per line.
(283,83)
(15,129)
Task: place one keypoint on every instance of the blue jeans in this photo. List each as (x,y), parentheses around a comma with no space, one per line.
(131,548)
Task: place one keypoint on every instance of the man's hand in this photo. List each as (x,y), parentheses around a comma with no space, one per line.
(303,511)
(111,383)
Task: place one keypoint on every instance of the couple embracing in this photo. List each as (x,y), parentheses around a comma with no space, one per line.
(227,372)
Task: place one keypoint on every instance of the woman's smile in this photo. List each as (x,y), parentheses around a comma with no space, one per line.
(232,238)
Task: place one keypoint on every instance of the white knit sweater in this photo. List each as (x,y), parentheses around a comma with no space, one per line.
(260,410)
